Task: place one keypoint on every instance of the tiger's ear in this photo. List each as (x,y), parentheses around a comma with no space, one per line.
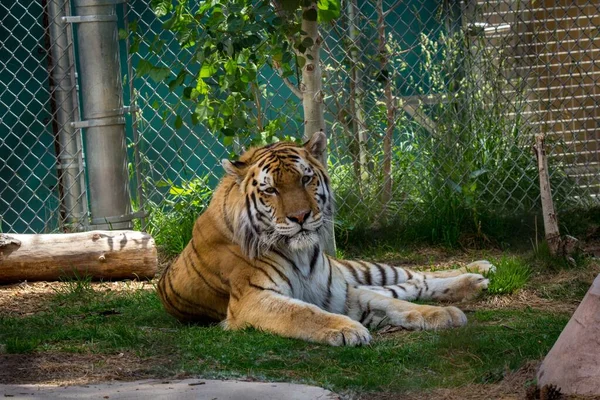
(236,169)
(317,144)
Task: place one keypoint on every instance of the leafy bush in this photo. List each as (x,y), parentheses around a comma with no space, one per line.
(171,222)
(462,182)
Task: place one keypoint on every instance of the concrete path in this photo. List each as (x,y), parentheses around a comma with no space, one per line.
(171,390)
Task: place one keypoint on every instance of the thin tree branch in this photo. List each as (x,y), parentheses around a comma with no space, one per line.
(256,93)
(289,83)
(389,10)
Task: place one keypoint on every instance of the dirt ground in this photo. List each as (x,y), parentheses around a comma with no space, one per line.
(67,369)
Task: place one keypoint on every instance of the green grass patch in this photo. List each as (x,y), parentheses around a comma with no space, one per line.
(111,322)
(544,258)
(512,273)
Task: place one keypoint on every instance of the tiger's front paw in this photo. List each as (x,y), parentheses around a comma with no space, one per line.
(350,333)
(442,317)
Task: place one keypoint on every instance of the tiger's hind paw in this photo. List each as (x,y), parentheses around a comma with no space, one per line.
(481,266)
(443,317)
(465,287)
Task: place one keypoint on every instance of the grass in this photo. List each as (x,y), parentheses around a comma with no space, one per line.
(83,320)
(82,317)
(544,258)
(512,273)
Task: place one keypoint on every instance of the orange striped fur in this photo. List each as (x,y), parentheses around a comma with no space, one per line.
(255,260)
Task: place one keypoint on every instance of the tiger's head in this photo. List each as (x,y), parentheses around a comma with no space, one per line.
(285,200)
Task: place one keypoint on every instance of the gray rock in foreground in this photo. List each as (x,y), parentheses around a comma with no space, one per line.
(175,389)
(573,363)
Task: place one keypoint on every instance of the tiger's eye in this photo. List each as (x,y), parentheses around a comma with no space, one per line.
(271,190)
(306,179)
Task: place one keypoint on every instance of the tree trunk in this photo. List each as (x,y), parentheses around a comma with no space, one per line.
(356,96)
(311,88)
(95,254)
(390,108)
(312,101)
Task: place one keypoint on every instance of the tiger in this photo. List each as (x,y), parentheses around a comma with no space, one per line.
(256,260)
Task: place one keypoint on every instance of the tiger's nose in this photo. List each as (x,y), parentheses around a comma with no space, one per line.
(300,217)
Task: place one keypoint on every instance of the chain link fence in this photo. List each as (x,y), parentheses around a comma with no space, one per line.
(42,186)
(431,108)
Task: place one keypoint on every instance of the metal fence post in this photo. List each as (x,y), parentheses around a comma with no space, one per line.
(62,70)
(103,120)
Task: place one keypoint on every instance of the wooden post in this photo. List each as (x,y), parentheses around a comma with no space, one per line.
(550,221)
(95,254)
(559,246)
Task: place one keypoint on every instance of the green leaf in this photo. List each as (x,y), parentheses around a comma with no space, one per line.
(287,57)
(133,25)
(201,112)
(248,74)
(178,122)
(328,15)
(234,23)
(252,40)
(159,74)
(178,191)
(307,42)
(187,93)
(122,34)
(228,107)
(301,61)
(171,23)
(239,121)
(207,70)
(161,7)
(202,87)
(228,132)
(323,4)
(263,9)
(328,10)
(310,15)
(228,140)
(216,124)
(231,66)
(178,81)
(143,67)
(162,183)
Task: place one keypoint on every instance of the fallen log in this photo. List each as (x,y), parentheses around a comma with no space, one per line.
(95,254)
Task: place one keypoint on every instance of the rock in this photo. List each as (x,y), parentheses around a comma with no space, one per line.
(573,363)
